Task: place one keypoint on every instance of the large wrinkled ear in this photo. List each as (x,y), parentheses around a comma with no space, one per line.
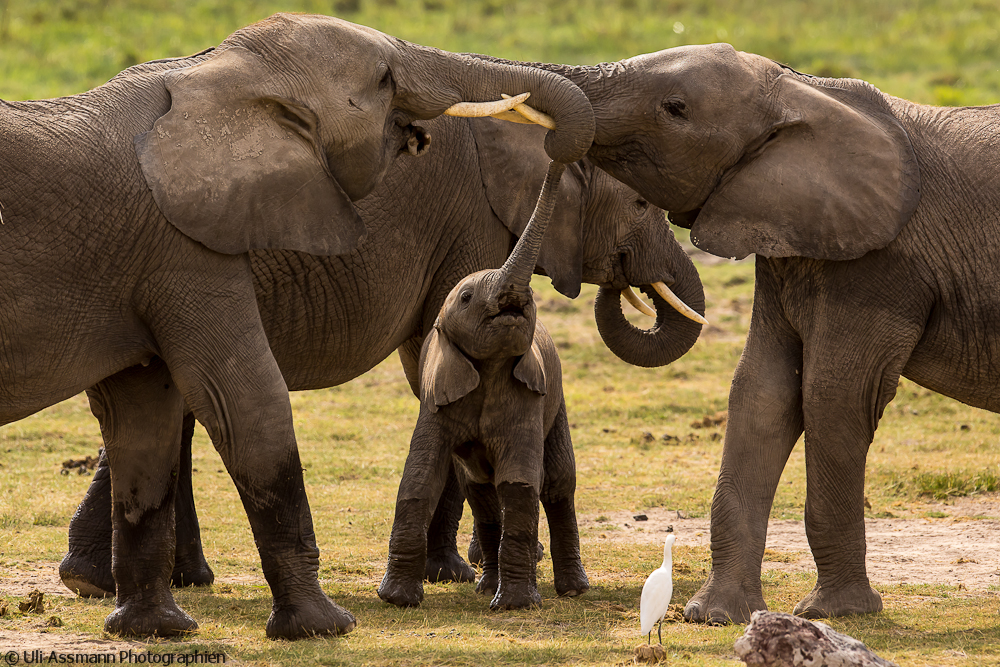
(836,179)
(446,374)
(235,165)
(530,368)
(513,162)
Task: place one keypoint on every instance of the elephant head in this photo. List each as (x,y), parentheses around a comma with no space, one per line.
(601,232)
(752,156)
(270,137)
(490,315)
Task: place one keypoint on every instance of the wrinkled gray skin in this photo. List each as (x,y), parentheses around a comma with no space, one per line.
(128,211)
(491,400)
(876,224)
(433,220)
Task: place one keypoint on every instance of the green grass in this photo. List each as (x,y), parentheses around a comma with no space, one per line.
(932,51)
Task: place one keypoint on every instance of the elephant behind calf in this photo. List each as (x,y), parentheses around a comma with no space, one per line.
(434,220)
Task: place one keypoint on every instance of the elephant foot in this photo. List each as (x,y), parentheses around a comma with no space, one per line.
(715,604)
(572,581)
(192,573)
(447,565)
(149,617)
(488,583)
(84,575)
(312,618)
(401,591)
(517,596)
(826,603)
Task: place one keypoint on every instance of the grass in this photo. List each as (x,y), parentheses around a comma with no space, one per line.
(635,442)
(933,51)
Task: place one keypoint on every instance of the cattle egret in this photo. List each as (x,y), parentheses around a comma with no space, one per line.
(656,594)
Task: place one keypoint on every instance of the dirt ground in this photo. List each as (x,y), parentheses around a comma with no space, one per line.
(963,548)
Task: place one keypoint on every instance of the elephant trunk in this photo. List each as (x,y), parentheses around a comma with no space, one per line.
(436,80)
(670,337)
(516,272)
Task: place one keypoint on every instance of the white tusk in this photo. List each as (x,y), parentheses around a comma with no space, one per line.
(637,302)
(483,109)
(512,117)
(533,115)
(678,305)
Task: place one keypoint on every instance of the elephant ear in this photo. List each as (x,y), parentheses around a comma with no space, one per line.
(530,368)
(235,166)
(446,374)
(836,179)
(513,163)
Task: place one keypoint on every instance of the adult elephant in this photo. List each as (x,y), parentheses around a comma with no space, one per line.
(430,223)
(128,212)
(876,224)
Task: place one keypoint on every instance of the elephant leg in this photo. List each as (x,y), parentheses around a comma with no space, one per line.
(518,588)
(844,396)
(86,567)
(190,566)
(485,506)
(232,383)
(558,496)
(140,410)
(443,560)
(424,477)
(765,420)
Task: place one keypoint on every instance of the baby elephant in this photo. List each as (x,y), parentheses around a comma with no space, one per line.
(492,401)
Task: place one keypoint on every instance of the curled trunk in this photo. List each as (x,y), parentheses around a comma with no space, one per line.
(671,335)
(438,79)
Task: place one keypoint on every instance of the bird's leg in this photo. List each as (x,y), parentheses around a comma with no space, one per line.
(659,627)
(649,637)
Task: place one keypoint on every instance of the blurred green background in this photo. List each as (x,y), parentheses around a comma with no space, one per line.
(933,51)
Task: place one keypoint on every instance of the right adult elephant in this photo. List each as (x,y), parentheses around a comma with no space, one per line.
(432,222)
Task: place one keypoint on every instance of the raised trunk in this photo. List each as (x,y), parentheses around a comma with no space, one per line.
(438,79)
(669,338)
(517,270)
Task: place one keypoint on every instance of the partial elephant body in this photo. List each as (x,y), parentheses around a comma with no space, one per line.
(127,215)
(876,223)
(432,221)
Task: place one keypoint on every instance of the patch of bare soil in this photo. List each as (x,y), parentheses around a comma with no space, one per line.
(959,550)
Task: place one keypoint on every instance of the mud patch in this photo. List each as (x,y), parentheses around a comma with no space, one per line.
(958,550)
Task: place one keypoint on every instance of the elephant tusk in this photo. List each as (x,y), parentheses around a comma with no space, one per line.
(532,115)
(637,302)
(678,305)
(483,109)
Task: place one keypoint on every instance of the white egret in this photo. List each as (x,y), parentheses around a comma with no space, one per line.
(656,594)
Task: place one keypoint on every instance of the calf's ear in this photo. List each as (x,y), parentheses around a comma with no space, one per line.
(446,374)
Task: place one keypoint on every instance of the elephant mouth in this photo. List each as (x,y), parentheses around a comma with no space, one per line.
(684,219)
(510,314)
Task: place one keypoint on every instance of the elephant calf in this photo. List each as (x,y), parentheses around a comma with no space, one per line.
(492,401)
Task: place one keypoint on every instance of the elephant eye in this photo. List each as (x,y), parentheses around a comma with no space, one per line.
(675,107)
(466,297)
(641,204)
(386,79)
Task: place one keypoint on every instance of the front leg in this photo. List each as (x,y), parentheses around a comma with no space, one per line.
(518,588)
(424,476)
(140,410)
(765,420)
(488,528)
(443,561)
(558,496)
